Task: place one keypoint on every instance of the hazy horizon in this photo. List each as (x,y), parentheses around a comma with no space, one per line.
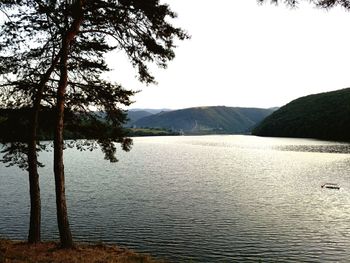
(166,108)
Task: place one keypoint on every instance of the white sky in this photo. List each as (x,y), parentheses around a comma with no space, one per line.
(243,54)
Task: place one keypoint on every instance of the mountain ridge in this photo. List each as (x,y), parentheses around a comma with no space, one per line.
(206,120)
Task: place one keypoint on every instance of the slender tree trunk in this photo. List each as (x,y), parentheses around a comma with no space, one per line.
(62,214)
(34,189)
(34,235)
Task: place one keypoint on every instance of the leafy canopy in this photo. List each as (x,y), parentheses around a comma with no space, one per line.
(31,40)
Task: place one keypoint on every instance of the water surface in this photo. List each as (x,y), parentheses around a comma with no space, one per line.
(200,199)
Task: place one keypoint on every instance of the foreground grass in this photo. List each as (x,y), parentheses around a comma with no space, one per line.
(19,252)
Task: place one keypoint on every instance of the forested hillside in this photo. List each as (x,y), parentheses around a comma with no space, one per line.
(135,115)
(206,120)
(15,125)
(323,116)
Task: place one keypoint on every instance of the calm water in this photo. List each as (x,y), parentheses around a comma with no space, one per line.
(200,199)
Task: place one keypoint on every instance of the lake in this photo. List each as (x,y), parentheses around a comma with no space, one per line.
(199,199)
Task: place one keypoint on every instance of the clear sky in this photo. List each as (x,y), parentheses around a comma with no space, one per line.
(244,54)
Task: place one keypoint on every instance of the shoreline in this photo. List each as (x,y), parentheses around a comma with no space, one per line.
(49,251)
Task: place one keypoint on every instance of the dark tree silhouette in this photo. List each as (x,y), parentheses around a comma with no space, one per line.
(319,3)
(24,71)
(79,33)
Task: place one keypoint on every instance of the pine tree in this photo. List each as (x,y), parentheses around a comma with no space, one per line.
(25,68)
(80,33)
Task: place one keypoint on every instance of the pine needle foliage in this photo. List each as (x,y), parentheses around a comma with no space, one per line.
(31,40)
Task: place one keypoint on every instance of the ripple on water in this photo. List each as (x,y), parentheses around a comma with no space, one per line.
(200,199)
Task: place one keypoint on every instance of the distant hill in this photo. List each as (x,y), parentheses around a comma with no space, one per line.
(322,116)
(134,115)
(206,120)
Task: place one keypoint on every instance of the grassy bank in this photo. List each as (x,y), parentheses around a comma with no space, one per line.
(18,252)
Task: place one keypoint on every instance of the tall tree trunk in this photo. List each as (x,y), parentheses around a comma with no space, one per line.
(34,189)
(34,235)
(62,214)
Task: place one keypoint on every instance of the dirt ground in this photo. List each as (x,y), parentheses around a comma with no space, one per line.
(49,252)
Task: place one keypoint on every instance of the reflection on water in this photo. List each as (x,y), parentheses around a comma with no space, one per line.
(331,148)
(200,199)
(280,144)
